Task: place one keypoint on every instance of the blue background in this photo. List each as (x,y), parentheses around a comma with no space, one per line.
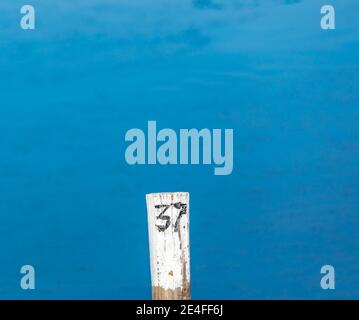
(71,206)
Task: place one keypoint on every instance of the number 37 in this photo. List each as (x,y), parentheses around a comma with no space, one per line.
(182,207)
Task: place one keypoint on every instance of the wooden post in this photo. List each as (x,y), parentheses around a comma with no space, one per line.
(168,228)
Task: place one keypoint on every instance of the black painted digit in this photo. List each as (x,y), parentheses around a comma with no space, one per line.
(183,208)
(163,217)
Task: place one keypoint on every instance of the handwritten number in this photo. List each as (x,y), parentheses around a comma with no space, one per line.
(163,217)
(183,208)
(178,205)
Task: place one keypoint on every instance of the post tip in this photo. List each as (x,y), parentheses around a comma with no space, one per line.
(160,194)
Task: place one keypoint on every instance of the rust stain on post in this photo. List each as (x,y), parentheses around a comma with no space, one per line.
(159,293)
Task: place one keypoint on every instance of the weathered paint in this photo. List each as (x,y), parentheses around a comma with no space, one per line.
(168,227)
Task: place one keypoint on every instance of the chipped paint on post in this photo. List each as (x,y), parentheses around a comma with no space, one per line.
(168,227)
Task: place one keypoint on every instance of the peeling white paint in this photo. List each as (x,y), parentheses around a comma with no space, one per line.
(169,248)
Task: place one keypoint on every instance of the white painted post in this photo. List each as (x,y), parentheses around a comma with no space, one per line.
(168,228)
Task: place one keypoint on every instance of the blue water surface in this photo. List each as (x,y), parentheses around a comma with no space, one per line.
(73,208)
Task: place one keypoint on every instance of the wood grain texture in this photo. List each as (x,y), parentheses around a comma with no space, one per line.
(168,226)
